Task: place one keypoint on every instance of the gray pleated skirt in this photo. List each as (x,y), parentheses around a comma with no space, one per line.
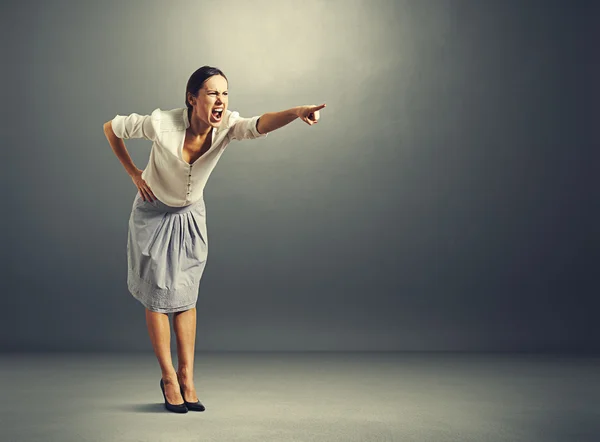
(167,248)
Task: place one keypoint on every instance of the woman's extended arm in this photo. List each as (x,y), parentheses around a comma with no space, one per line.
(274,120)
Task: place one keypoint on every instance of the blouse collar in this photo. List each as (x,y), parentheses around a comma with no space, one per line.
(185,117)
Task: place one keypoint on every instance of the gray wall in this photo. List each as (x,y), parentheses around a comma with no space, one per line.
(447,199)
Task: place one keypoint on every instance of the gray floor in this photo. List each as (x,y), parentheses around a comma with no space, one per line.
(305,397)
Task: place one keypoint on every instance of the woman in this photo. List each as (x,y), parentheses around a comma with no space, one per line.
(167,243)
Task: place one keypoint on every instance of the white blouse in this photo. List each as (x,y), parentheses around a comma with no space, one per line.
(174,181)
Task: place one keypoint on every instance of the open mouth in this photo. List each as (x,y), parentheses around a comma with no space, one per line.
(217,114)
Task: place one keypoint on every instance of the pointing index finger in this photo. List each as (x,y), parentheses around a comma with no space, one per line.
(316,108)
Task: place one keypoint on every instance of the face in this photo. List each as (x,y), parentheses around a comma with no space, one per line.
(212,95)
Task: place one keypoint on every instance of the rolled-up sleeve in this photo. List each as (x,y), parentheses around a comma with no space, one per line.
(241,128)
(134,126)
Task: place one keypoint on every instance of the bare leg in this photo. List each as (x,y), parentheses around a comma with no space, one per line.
(160,335)
(184,324)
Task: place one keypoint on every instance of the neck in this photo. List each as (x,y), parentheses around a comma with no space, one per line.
(198,128)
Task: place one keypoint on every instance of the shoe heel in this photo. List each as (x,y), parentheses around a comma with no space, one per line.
(176,408)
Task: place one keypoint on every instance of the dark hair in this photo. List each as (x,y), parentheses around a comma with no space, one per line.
(198,78)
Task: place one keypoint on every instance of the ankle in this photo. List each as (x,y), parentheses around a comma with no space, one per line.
(170,377)
(185,373)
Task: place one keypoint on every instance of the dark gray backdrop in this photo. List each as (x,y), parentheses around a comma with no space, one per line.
(447,199)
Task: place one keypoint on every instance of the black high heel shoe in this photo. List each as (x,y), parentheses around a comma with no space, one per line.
(176,408)
(194,406)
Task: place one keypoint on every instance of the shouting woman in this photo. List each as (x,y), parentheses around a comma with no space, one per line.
(167,243)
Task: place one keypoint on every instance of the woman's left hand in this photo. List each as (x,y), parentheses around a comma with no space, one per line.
(309,114)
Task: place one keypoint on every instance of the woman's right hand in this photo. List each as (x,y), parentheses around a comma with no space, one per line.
(145,191)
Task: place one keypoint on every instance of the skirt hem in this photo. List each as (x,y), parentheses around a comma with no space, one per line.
(144,292)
